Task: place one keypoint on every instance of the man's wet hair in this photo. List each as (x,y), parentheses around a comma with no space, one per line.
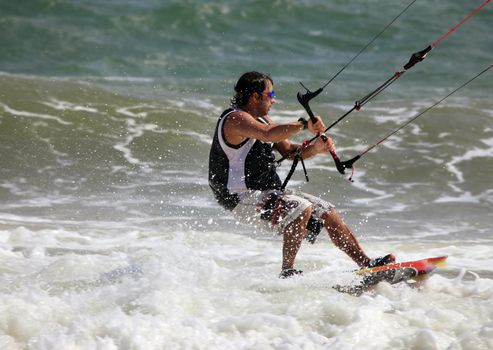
(248,84)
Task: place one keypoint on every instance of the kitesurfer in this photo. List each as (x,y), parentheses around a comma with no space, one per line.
(243,177)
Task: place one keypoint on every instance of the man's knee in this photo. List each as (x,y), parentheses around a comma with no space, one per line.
(306,215)
(331,218)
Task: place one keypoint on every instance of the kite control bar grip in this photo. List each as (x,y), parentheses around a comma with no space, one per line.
(342,166)
(348,164)
(304,100)
(339,165)
(417,57)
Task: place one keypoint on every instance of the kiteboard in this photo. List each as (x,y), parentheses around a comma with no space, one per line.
(409,272)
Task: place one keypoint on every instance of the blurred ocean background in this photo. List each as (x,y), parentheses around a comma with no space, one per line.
(110,237)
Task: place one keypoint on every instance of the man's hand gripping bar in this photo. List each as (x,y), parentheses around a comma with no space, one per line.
(304,100)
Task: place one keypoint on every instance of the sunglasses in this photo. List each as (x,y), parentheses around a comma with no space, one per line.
(271,95)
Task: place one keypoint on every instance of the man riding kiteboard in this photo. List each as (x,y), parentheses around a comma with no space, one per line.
(243,177)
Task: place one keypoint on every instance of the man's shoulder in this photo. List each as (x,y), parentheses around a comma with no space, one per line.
(238,115)
(239,112)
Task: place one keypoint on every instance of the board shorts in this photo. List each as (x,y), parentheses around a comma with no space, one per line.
(274,210)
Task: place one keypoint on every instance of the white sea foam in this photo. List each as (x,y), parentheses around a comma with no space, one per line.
(135,130)
(200,290)
(476,152)
(465,197)
(128,111)
(126,79)
(33,115)
(196,106)
(65,105)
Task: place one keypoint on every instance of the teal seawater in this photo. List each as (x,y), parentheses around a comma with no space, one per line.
(197,46)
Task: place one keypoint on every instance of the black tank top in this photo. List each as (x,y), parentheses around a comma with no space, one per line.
(235,169)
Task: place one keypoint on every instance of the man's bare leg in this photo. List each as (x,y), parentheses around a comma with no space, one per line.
(344,239)
(293,235)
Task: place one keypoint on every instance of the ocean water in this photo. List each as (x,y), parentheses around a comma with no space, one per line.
(110,237)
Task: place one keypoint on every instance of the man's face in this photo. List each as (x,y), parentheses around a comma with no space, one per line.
(266,99)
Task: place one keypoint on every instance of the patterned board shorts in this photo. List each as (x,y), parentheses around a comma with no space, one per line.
(274,210)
